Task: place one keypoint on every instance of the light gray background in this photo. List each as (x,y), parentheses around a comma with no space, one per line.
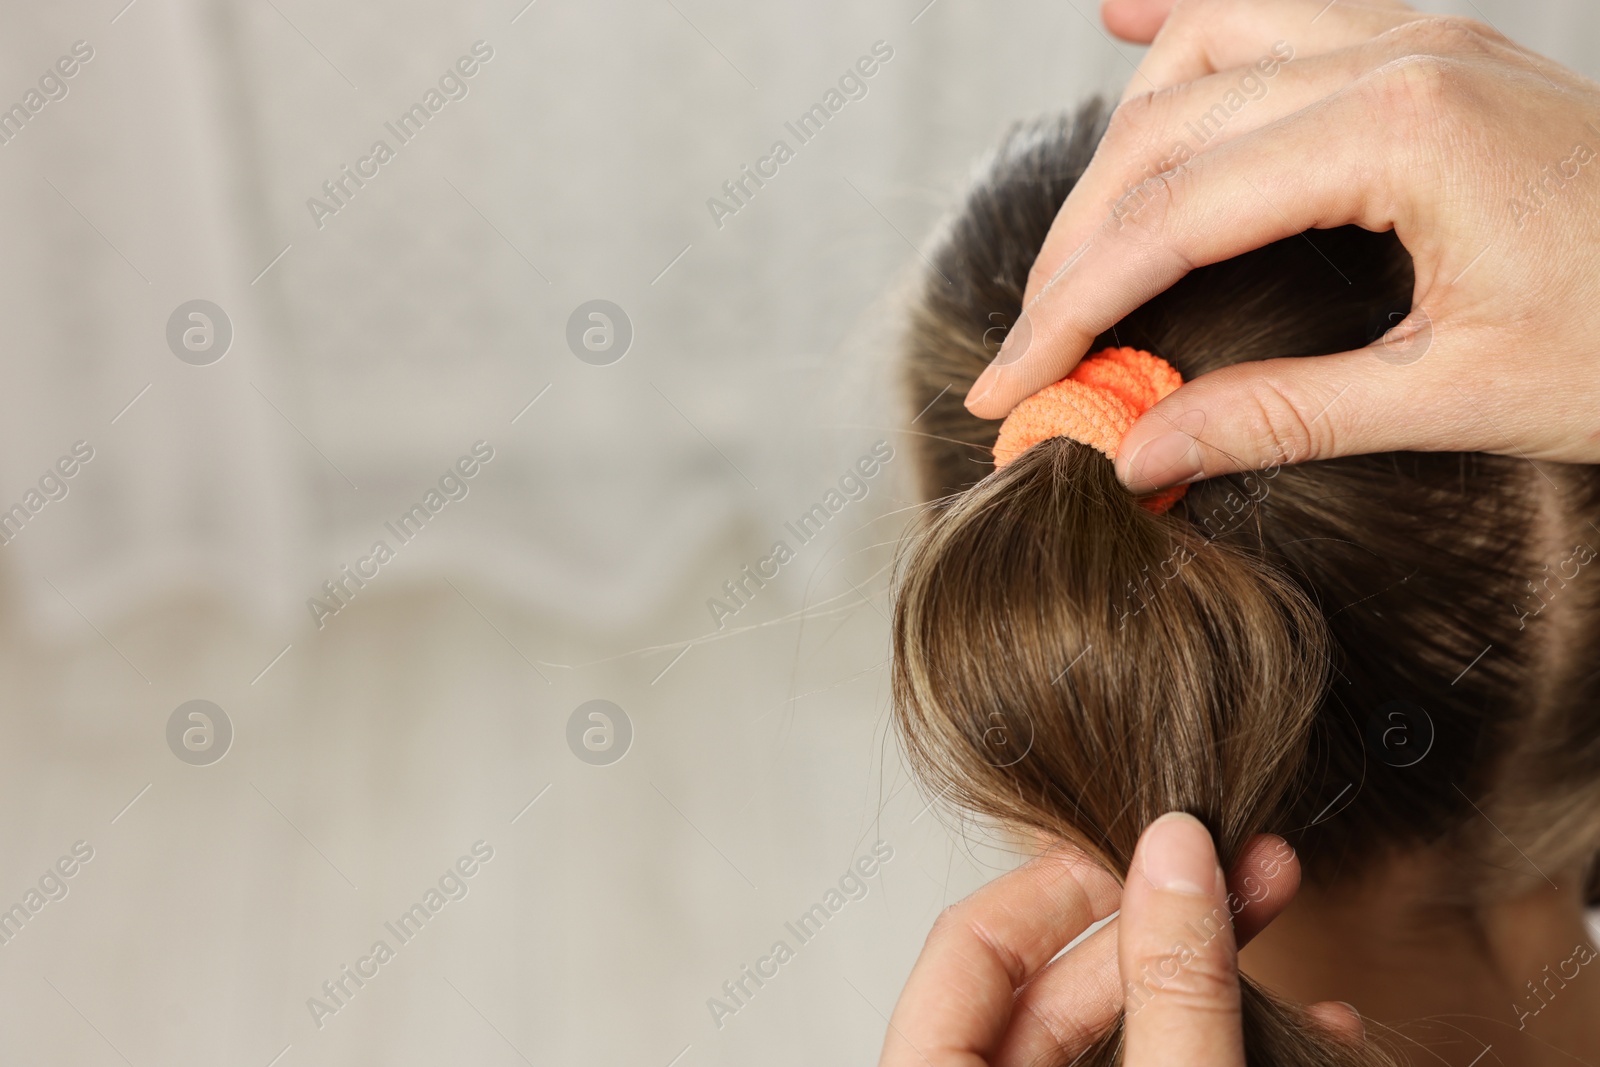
(424,717)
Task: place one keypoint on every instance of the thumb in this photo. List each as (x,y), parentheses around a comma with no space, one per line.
(1262,413)
(1176,952)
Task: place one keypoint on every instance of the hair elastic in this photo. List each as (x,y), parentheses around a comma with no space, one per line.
(1096,404)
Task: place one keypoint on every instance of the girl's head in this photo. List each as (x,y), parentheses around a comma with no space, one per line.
(1367,655)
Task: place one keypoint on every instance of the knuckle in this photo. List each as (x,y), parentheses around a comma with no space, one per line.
(1126,128)
(1186,11)
(1207,981)
(1015,966)
(1152,179)
(957,924)
(1063,1023)
(1472,34)
(1148,225)
(1137,137)
(1145,209)
(1444,35)
(1421,91)
(1280,423)
(946,923)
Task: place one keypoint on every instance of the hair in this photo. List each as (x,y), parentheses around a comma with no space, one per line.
(1366,655)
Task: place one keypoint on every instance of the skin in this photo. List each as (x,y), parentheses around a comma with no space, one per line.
(1466,146)
(1442,984)
(1479,154)
(1440,980)
(984,992)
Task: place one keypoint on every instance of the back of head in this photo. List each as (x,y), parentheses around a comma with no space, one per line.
(1366,655)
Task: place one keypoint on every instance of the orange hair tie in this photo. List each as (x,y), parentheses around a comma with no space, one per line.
(1095,404)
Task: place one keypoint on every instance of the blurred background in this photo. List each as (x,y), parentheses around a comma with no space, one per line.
(244,347)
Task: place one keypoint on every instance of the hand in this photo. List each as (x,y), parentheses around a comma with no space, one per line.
(985,991)
(1482,157)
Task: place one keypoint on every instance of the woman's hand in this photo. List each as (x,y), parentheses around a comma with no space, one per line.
(1483,158)
(985,992)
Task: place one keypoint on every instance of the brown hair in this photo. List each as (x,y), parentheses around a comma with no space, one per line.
(1262,655)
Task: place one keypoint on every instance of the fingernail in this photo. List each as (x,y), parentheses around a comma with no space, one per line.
(1016,342)
(1178,856)
(982,387)
(1171,459)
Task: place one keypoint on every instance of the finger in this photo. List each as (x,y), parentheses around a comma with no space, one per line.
(1068,1006)
(957,1002)
(1207,36)
(1220,54)
(1152,133)
(1241,196)
(1139,21)
(1073,1000)
(1135,20)
(1340,1019)
(1176,952)
(1261,884)
(1257,415)
(1157,132)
